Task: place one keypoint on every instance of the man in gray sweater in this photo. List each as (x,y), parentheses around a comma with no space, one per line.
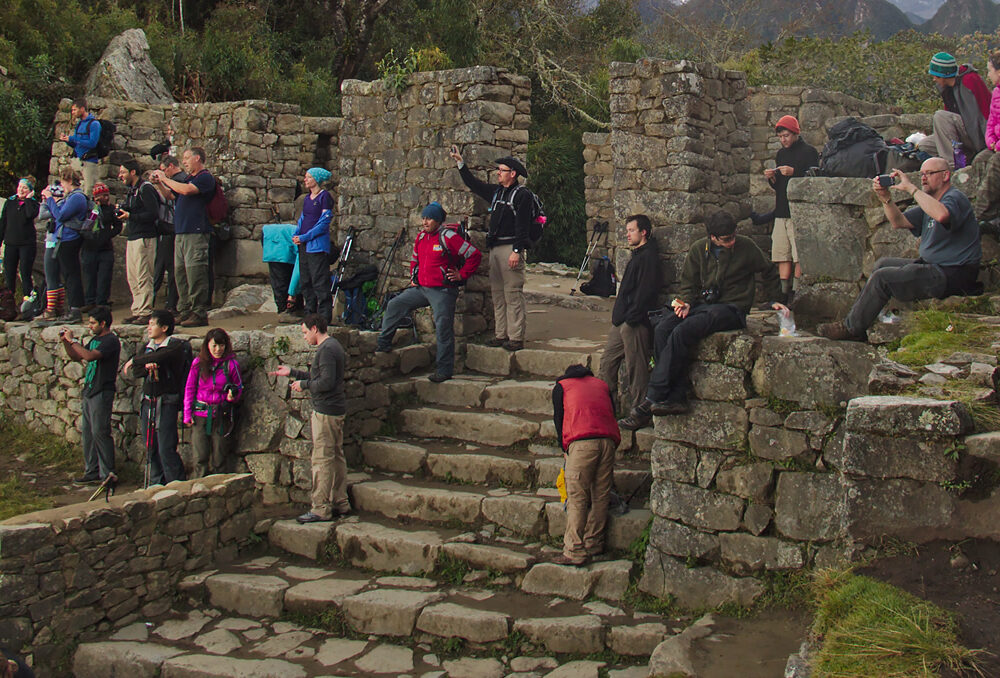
(325,383)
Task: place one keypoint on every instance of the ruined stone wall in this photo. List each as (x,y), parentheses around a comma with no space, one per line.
(393,160)
(258,149)
(785,462)
(73,574)
(679,147)
(599,192)
(42,387)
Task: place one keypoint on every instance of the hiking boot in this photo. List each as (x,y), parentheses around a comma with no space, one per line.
(636,420)
(838,331)
(86,308)
(496,342)
(73,315)
(438,378)
(669,407)
(310,517)
(195,321)
(87,480)
(512,345)
(138,320)
(572,562)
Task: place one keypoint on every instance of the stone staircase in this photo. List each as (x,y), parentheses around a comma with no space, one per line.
(456,516)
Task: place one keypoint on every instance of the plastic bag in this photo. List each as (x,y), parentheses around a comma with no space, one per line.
(787,323)
(561,484)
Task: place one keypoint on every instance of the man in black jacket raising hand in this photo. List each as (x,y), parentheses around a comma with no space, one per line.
(631,336)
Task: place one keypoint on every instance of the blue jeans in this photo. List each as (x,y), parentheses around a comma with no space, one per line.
(442,302)
(675,339)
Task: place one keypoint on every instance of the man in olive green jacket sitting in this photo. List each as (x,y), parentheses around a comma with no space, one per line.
(716,293)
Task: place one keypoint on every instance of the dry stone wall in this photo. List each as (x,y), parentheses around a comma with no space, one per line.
(680,148)
(73,574)
(41,386)
(393,160)
(599,192)
(786,462)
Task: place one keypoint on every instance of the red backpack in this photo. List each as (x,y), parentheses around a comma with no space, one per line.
(218,207)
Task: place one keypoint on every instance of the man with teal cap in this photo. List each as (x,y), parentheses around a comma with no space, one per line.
(966,106)
(442,261)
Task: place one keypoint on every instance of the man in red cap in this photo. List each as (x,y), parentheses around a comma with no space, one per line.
(792,160)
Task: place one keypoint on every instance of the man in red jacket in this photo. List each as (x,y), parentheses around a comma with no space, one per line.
(966,107)
(585,425)
(442,261)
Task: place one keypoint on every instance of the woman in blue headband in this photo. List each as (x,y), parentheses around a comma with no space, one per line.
(312,236)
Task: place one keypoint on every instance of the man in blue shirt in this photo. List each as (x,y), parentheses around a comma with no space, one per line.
(950,250)
(192,236)
(83,140)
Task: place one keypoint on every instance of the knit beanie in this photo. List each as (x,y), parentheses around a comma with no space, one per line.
(101,189)
(434,211)
(943,65)
(721,223)
(788,122)
(319,174)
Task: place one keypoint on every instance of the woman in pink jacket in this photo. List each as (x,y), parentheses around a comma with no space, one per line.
(213,385)
(988,199)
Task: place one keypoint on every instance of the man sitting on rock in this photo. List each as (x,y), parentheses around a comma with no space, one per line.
(950,251)
(716,293)
(966,102)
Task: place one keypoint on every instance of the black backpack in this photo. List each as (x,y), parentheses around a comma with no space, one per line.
(8,304)
(105,140)
(852,150)
(602,282)
(536,225)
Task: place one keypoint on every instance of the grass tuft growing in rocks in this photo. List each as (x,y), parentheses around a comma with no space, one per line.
(870,628)
(938,334)
(450,569)
(331,620)
(43,453)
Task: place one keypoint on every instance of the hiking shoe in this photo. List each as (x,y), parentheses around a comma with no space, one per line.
(310,517)
(512,345)
(87,480)
(138,320)
(572,562)
(636,420)
(496,342)
(73,315)
(669,407)
(87,308)
(438,378)
(838,331)
(194,321)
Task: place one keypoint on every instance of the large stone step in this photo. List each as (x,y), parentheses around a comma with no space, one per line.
(449,462)
(485,428)
(530,361)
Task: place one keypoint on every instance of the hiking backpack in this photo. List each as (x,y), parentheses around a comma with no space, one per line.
(105,140)
(218,206)
(85,226)
(852,150)
(164,215)
(8,304)
(536,225)
(602,283)
(457,261)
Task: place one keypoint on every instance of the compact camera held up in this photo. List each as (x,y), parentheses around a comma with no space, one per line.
(710,295)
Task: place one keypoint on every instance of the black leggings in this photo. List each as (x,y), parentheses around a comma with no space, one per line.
(69,263)
(19,257)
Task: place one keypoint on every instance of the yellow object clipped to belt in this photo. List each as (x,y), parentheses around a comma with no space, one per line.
(561,484)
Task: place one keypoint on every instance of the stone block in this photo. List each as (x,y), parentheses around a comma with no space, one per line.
(449,620)
(386,549)
(564,581)
(751,481)
(479,468)
(984,445)
(582,634)
(812,371)
(680,540)
(524,515)
(746,553)
(252,595)
(488,360)
(141,660)
(395,500)
(636,641)
(241,258)
(391,455)
(307,540)
(834,244)
(548,363)
(472,668)
(413,357)
(534,397)
(715,381)
(318,596)
(487,428)
(709,424)
(696,507)
(673,461)
(900,415)
(903,508)
(879,456)
(613,578)
(695,587)
(778,444)
(455,392)
(212,666)
(486,557)
(386,612)
(810,506)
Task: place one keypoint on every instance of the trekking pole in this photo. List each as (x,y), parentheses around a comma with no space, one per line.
(150,440)
(382,284)
(345,253)
(599,228)
(107,486)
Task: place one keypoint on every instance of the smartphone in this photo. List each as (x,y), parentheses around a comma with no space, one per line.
(454,148)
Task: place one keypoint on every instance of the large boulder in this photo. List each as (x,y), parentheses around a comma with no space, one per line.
(125,71)
(813,371)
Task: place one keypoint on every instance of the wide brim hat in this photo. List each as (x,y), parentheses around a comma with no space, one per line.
(514,164)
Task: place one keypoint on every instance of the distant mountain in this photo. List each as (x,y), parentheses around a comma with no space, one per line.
(958,17)
(915,19)
(769,18)
(921,8)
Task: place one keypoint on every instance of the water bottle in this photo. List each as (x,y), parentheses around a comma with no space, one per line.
(959,154)
(786,322)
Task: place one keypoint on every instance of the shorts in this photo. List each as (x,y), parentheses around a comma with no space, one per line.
(783,241)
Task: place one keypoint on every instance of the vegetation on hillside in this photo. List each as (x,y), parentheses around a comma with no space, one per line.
(212,50)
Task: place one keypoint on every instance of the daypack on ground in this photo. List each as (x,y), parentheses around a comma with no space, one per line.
(105,140)
(851,151)
(602,282)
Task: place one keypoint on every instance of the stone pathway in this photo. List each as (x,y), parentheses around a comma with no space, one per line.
(444,569)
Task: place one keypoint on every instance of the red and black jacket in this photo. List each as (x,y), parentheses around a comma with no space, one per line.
(582,407)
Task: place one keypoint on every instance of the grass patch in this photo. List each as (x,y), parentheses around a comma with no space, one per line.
(931,339)
(782,407)
(870,628)
(332,620)
(450,569)
(17,497)
(448,648)
(44,453)
(985,414)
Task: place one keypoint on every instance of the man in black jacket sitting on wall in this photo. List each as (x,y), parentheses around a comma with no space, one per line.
(631,336)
